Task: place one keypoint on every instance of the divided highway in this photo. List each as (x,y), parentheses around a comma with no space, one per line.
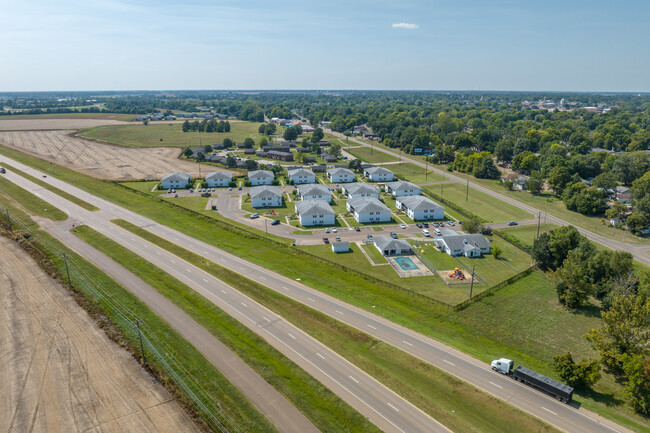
(456,363)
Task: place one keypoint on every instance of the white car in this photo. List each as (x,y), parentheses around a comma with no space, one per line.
(334,230)
(403,226)
(327,230)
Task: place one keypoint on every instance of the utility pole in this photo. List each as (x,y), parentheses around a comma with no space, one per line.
(67,271)
(265,226)
(539,219)
(471,287)
(137,324)
(426,169)
(467,191)
(441,196)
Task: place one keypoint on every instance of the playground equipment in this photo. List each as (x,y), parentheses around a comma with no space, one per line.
(457,274)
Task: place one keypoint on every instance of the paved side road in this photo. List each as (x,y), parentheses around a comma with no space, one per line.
(379,404)
(269,401)
(464,367)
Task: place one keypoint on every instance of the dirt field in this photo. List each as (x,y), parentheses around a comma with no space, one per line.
(60,373)
(50,124)
(99,160)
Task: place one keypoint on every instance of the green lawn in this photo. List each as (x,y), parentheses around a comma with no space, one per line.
(29,202)
(320,405)
(364,154)
(139,135)
(452,402)
(145,187)
(374,254)
(481,204)
(527,234)
(414,174)
(427,318)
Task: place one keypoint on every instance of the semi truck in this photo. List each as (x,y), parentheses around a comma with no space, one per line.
(558,390)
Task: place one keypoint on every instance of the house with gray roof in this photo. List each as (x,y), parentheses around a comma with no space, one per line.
(368,210)
(403,188)
(340,246)
(314,191)
(261,177)
(359,190)
(340,175)
(463,244)
(379,174)
(176,181)
(266,196)
(388,246)
(420,208)
(218,179)
(301,175)
(315,213)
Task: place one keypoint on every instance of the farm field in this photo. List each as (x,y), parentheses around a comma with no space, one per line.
(171,134)
(102,161)
(363,153)
(96,116)
(60,371)
(481,204)
(33,123)
(414,174)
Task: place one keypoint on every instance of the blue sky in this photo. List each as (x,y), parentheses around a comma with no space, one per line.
(571,45)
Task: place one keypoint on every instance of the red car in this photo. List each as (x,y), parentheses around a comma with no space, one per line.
(326,241)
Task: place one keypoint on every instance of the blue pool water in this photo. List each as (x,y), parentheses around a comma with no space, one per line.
(406,263)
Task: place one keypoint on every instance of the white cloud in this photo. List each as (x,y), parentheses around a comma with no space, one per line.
(407,26)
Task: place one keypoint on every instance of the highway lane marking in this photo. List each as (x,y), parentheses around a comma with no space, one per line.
(266,318)
(451,363)
(370,326)
(158,252)
(243,304)
(187,269)
(291,336)
(262,278)
(286,288)
(353,379)
(223,291)
(311,299)
(549,410)
(205,280)
(320,356)
(498,386)
(340,312)
(392,406)
(406,342)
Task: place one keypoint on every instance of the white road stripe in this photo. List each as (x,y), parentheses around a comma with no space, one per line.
(406,342)
(244,304)
(205,280)
(393,407)
(291,336)
(262,278)
(313,300)
(498,386)
(341,313)
(370,326)
(320,356)
(451,363)
(286,288)
(353,379)
(548,410)
(223,291)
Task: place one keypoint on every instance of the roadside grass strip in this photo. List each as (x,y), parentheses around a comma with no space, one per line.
(55,190)
(32,204)
(326,410)
(455,403)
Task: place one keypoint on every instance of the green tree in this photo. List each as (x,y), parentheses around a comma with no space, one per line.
(504,150)
(250,164)
(263,142)
(542,254)
(578,375)
(637,388)
(606,181)
(226,127)
(228,143)
(186,126)
(641,187)
(145,122)
(572,286)
(335,149)
(618,210)
(249,143)
(558,178)
(355,165)
(561,241)
(535,183)
(317,136)
(496,251)
(207,148)
(637,222)
(187,152)
(200,157)
(231,161)
(473,225)
(290,134)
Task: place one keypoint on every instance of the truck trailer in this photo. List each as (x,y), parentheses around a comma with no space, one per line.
(552,387)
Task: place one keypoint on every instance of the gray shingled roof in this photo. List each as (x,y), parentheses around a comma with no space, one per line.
(458,242)
(360,188)
(177,177)
(419,202)
(340,172)
(219,175)
(260,174)
(378,170)
(300,172)
(265,191)
(402,185)
(313,189)
(341,244)
(388,243)
(313,207)
(367,204)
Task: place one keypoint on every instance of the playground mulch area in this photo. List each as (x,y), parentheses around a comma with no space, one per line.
(445,275)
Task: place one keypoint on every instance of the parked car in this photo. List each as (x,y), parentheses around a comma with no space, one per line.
(442,224)
(369,236)
(426,225)
(460,222)
(326,241)
(173,191)
(334,230)
(338,239)
(512,223)
(191,190)
(393,235)
(230,188)
(175,195)
(451,223)
(275,222)
(403,226)
(2,170)
(169,191)
(255,215)
(436,225)
(426,233)
(418,225)
(239,188)
(327,230)
(357,229)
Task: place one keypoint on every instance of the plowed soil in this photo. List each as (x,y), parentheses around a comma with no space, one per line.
(60,373)
(99,160)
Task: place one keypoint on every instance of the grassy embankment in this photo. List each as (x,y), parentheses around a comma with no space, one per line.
(30,203)
(55,190)
(47,251)
(431,389)
(364,154)
(321,406)
(484,340)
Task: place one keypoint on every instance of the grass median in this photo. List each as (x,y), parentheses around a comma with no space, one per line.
(228,402)
(55,190)
(32,204)
(432,390)
(327,411)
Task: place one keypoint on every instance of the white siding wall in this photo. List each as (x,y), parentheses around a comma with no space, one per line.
(267,202)
(366,217)
(214,183)
(316,219)
(258,181)
(304,179)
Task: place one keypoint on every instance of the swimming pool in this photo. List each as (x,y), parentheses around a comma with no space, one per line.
(406,263)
